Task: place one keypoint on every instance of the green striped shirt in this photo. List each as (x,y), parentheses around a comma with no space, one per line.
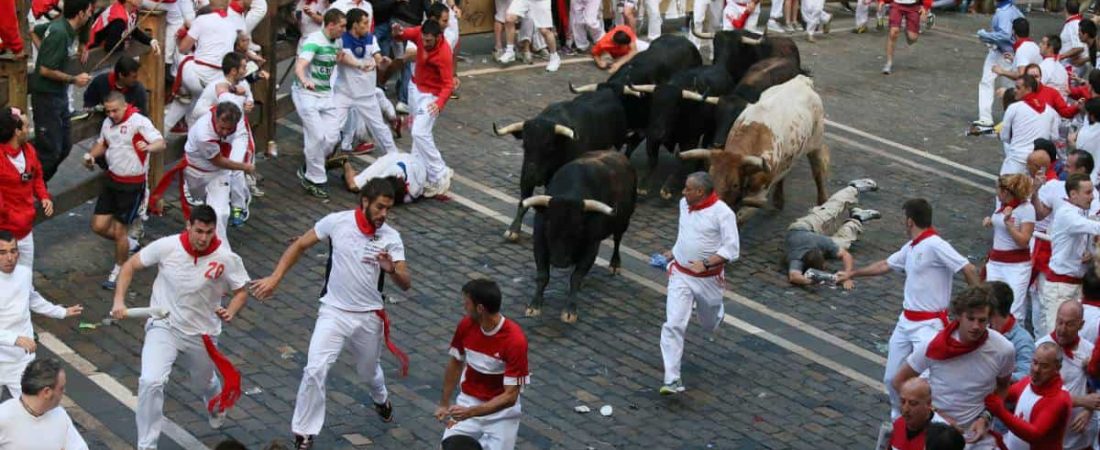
(321,52)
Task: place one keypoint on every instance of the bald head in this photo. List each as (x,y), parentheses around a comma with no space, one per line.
(1072,309)
(1046,362)
(916,403)
(1068,322)
(917,388)
(1037,160)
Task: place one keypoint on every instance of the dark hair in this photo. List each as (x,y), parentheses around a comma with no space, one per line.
(919,211)
(814,259)
(1002,297)
(1055,43)
(436,10)
(1084,160)
(1092,106)
(230,444)
(228,110)
(971,298)
(204,214)
(6,236)
(332,16)
(941,436)
(1094,80)
(126,66)
(40,374)
(1047,146)
(9,123)
(400,190)
(484,292)
(354,16)
(1008,98)
(115,96)
(1031,83)
(1073,6)
(1021,28)
(1028,68)
(460,442)
(376,187)
(1074,180)
(1088,27)
(1090,283)
(74,7)
(431,28)
(231,61)
(620,37)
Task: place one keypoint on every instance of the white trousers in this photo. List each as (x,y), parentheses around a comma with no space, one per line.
(423,145)
(11,375)
(584,19)
(195,77)
(239,194)
(175,14)
(862,9)
(706,16)
(26,250)
(683,292)
(359,113)
(1011,166)
(320,131)
(1051,296)
(496,431)
(906,336)
(162,346)
(363,333)
(1018,277)
(213,189)
(813,12)
(654,19)
(988,85)
(776,11)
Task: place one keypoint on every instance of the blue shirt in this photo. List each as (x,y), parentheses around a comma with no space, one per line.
(1000,34)
(1025,347)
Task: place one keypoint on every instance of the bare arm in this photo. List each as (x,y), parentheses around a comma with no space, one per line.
(877,268)
(186,44)
(971,274)
(228,164)
(450,381)
(125,276)
(300,66)
(264,287)
(796,278)
(156,146)
(400,275)
(905,372)
(240,298)
(505,400)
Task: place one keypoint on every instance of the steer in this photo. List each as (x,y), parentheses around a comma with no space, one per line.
(738,51)
(787,122)
(561,133)
(588,200)
(761,76)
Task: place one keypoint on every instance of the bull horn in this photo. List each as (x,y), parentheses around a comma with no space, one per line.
(754,161)
(699,153)
(711,100)
(701,35)
(598,206)
(692,95)
(537,200)
(750,41)
(631,92)
(582,88)
(510,128)
(646,88)
(564,131)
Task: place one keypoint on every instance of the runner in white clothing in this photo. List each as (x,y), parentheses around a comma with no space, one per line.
(405,172)
(1053,72)
(314,68)
(209,154)
(194,273)
(929,263)
(36,420)
(1026,51)
(17,299)
(1071,232)
(707,239)
(1072,47)
(355,94)
(1025,120)
(1013,224)
(1087,137)
(364,249)
(211,35)
(1076,371)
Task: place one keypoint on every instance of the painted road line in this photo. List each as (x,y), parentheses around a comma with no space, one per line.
(906,148)
(923,168)
(93,425)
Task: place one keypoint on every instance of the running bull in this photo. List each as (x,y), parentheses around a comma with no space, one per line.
(787,122)
(588,200)
(561,133)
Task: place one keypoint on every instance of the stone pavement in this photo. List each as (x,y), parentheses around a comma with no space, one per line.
(745,389)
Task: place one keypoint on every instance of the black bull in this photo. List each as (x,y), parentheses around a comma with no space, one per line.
(761,76)
(588,200)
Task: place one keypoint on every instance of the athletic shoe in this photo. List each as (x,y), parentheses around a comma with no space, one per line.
(825,27)
(235,217)
(253,186)
(217,420)
(887,69)
(401,108)
(454,95)
(864,185)
(865,215)
(790,28)
(672,388)
(137,228)
(880,24)
(931,21)
(774,27)
(110,283)
(311,188)
(507,57)
(860,29)
(820,276)
(554,64)
(385,411)
(303,442)
(982,123)
(135,246)
(526,58)
(568,50)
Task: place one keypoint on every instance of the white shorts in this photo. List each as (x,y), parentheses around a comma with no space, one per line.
(537,10)
(501,12)
(496,431)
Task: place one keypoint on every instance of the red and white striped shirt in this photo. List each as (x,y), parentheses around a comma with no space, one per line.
(127,163)
(494,358)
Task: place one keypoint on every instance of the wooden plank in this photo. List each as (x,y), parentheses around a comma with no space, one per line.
(14,70)
(477,16)
(151,74)
(263,114)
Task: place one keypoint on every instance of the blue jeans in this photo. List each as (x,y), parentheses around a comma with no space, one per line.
(383,31)
(403,83)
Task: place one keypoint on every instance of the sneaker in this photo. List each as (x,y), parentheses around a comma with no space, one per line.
(554,64)
(672,388)
(135,246)
(137,229)
(235,217)
(982,123)
(402,108)
(931,21)
(826,25)
(865,215)
(860,29)
(774,27)
(507,57)
(217,420)
(864,185)
(568,51)
(880,24)
(110,283)
(385,411)
(887,69)
(303,442)
(820,276)
(790,28)
(253,186)
(526,58)
(311,188)
(454,95)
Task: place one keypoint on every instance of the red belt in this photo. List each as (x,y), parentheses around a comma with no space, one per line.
(401,356)
(179,74)
(921,316)
(1059,278)
(1010,256)
(714,271)
(1040,258)
(124,179)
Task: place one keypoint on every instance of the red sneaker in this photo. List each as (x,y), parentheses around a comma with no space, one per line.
(363,148)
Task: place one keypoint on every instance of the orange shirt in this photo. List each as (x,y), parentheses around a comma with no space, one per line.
(606,45)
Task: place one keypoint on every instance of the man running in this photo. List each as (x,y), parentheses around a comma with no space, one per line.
(355,97)
(211,36)
(1000,43)
(364,249)
(489,355)
(910,11)
(431,87)
(312,95)
(194,273)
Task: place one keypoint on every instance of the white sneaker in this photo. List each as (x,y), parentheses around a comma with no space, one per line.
(507,57)
(217,420)
(554,64)
(775,27)
(402,108)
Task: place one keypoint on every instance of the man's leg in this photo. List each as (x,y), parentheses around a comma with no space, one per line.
(848,233)
(200,367)
(987,86)
(654,19)
(891,42)
(424,143)
(775,17)
(217,197)
(51,130)
(699,12)
(312,131)
(366,348)
(348,132)
(157,355)
(1053,295)
(862,10)
(898,349)
(328,338)
(709,305)
(678,303)
(578,25)
(371,113)
(823,219)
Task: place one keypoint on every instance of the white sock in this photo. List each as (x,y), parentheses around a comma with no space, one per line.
(114,273)
(133,243)
(510,48)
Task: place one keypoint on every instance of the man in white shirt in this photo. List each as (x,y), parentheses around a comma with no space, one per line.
(1088,136)
(405,172)
(1025,120)
(1053,71)
(1072,47)
(194,273)
(355,94)
(1071,231)
(126,139)
(211,35)
(1026,51)
(929,263)
(1075,373)
(17,299)
(965,361)
(35,420)
(364,249)
(707,239)
(314,71)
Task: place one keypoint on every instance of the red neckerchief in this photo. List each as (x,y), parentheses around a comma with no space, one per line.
(130,111)
(705,203)
(221,12)
(1013,204)
(1052,387)
(1051,173)
(1072,18)
(112,83)
(1007,326)
(927,233)
(1016,45)
(1034,102)
(236,6)
(365,226)
(944,346)
(10,151)
(185,240)
(1067,349)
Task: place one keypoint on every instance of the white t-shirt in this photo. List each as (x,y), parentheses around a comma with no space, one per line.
(354,280)
(214,36)
(1074,381)
(1091,330)
(1022,126)
(19,161)
(123,157)
(305,23)
(1027,53)
(210,97)
(17,299)
(1088,139)
(1055,75)
(960,384)
(203,144)
(1071,38)
(929,268)
(53,430)
(192,288)
(407,166)
(353,82)
(1069,239)
(1025,213)
(705,232)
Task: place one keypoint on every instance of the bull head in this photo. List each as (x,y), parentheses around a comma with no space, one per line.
(740,180)
(515,129)
(542,201)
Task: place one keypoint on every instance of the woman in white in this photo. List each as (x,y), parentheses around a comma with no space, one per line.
(1013,224)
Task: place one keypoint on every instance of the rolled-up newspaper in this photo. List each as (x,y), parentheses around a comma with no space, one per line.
(145,313)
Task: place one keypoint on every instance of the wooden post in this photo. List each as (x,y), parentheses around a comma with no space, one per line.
(151,74)
(14,69)
(22,7)
(264,90)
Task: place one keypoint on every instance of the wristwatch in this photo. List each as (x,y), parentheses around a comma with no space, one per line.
(706,265)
